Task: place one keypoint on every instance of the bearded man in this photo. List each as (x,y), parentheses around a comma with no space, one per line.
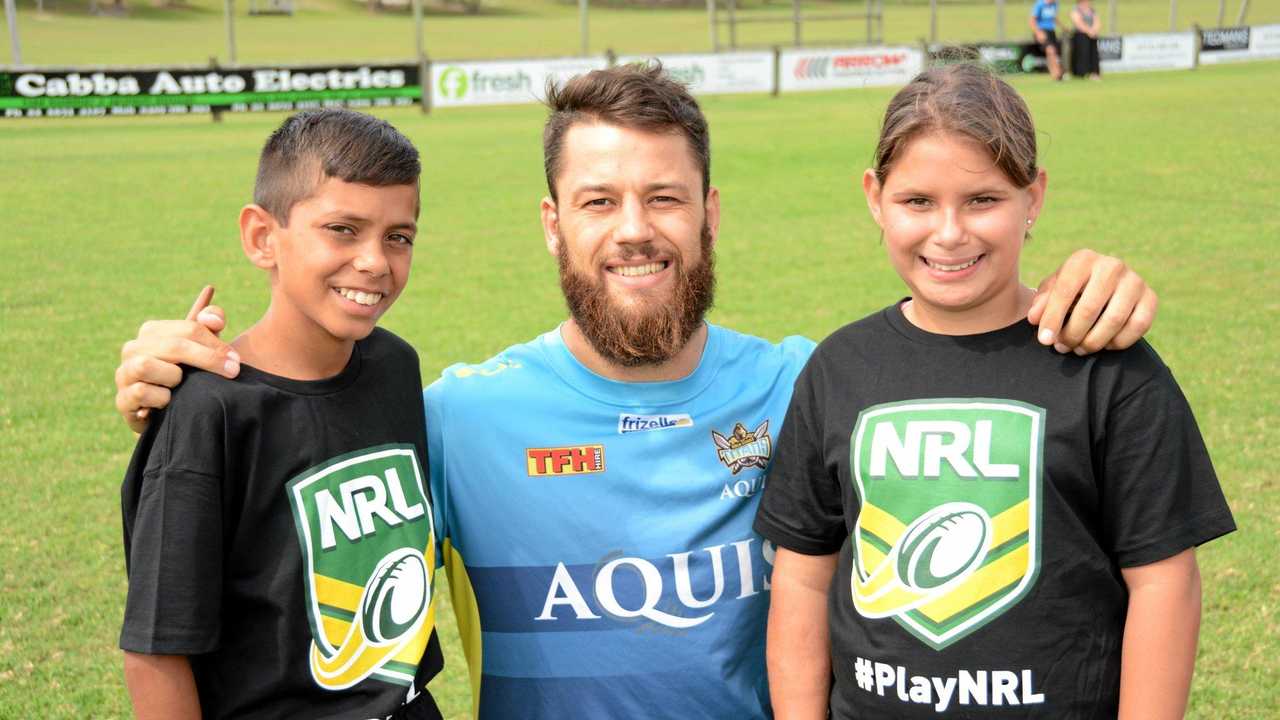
(595,488)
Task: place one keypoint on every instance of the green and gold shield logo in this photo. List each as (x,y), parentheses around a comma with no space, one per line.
(948,535)
(364,525)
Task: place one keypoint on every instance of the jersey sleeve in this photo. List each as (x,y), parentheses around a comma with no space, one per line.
(801,508)
(432,401)
(172,503)
(1160,494)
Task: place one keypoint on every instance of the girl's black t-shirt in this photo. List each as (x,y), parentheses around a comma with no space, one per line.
(983,493)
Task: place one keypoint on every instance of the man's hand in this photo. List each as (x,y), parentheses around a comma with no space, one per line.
(1102,301)
(149,363)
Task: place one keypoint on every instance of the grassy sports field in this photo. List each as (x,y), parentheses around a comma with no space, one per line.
(191,31)
(104,223)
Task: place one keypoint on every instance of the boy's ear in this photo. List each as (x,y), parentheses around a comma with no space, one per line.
(871,188)
(551,225)
(257,236)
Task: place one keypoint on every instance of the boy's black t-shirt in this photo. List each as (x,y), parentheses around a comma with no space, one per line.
(983,493)
(278,532)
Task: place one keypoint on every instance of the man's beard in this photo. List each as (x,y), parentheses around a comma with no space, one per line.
(648,333)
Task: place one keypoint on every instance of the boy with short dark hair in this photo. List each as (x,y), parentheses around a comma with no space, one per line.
(277,527)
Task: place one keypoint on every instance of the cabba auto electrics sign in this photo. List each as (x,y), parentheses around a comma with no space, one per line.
(47,92)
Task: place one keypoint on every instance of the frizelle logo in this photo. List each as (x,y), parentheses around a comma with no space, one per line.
(573,460)
(453,83)
(630,588)
(948,531)
(364,527)
(628,423)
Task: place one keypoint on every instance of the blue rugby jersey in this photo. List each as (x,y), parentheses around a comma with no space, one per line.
(597,534)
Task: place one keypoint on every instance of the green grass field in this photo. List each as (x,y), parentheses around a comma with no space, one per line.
(191,31)
(104,223)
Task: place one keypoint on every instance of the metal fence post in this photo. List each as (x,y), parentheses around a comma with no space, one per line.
(424,81)
(1113,24)
(11,16)
(424,67)
(711,23)
(933,21)
(1222,12)
(214,112)
(1173,15)
(1244,12)
(733,24)
(1000,20)
(777,71)
(796,21)
(582,25)
(229,13)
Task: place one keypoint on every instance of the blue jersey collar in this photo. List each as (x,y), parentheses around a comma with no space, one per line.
(632,394)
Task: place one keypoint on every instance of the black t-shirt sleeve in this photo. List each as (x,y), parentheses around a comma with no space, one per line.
(801,509)
(172,503)
(1160,494)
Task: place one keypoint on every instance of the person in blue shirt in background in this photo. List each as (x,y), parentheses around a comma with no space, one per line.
(1044,23)
(597,484)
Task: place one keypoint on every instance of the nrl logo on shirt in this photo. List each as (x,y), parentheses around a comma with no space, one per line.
(628,423)
(741,449)
(948,532)
(364,527)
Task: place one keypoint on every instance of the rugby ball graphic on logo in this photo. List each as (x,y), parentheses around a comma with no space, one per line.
(395,596)
(943,545)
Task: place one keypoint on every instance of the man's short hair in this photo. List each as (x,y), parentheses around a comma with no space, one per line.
(314,145)
(640,96)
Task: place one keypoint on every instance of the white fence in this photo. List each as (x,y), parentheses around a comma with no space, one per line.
(65,92)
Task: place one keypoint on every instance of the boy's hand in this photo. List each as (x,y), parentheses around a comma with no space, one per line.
(149,363)
(1102,301)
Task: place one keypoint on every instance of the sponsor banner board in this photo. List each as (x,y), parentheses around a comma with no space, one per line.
(1150,51)
(1237,44)
(88,92)
(709,74)
(1003,57)
(829,69)
(502,82)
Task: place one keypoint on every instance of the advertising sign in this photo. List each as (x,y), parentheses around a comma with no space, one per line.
(47,92)
(746,72)
(1003,57)
(816,69)
(1236,44)
(502,82)
(1155,51)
